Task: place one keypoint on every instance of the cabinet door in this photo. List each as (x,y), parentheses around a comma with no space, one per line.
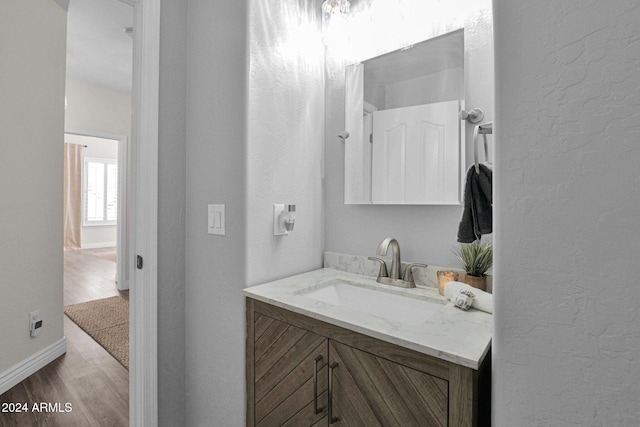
(370,391)
(290,374)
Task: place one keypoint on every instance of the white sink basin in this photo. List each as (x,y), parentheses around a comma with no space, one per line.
(381,303)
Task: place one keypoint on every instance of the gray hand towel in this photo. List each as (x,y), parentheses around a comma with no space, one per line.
(477,212)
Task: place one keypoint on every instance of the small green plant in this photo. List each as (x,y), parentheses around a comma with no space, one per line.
(476,258)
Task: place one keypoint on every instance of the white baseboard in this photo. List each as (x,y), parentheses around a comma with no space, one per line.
(98,245)
(31,365)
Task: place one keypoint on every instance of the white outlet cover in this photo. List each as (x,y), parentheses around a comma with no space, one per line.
(216,220)
(278,223)
(34,317)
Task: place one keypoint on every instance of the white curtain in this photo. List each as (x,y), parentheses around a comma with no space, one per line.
(72,196)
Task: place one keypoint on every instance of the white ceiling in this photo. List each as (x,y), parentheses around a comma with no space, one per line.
(98,50)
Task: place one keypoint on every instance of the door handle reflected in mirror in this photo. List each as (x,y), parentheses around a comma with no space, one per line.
(472,116)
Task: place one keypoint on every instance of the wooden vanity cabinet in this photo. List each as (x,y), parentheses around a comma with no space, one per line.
(361,380)
(372,391)
(290,374)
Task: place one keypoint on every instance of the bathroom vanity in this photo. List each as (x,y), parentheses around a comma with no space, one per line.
(317,355)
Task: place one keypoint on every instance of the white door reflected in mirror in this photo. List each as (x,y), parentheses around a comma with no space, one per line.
(416,155)
(406,143)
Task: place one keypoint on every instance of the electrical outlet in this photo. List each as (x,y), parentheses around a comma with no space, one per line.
(35,323)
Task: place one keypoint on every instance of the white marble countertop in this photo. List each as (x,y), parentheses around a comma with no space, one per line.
(461,337)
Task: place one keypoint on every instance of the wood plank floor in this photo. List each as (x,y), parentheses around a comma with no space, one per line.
(87,377)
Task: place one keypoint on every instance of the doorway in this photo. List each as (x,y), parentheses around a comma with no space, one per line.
(143,238)
(143,212)
(41,105)
(98,118)
(98,126)
(103,210)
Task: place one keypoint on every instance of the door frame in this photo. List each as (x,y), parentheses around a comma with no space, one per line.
(143,295)
(122,225)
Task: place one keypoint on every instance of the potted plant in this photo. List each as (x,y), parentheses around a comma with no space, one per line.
(476,259)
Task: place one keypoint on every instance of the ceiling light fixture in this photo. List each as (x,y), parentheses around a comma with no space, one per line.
(334,19)
(330,7)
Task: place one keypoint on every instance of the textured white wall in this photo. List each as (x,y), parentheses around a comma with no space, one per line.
(217,68)
(254,138)
(284,154)
(426,233)
(567,203)
(31,124)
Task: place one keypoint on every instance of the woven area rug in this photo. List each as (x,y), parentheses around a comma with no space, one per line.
(107,322)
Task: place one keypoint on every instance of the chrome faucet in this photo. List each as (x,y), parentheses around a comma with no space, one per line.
(393,278)
(395,263)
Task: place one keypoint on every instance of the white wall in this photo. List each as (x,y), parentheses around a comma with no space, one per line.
(93,108)
(284,154)
(31,124)
(426,233)
(94,147)
(436,87)
(254,138)
(96,108)
(96,236)
(171,214)
(567,203)
(217,75)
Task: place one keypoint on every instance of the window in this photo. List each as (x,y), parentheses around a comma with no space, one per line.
(100,191)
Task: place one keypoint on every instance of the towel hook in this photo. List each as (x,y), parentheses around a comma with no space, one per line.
(483,129)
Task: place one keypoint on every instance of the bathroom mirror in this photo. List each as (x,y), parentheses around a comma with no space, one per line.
(405,143)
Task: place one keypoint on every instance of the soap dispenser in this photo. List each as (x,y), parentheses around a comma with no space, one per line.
(289,217)
(284,219)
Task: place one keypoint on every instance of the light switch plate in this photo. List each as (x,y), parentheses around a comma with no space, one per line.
(216,220)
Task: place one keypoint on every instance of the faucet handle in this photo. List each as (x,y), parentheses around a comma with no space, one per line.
(408,273)
(383,267)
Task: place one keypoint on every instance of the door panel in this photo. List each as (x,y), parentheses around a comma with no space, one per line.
(356,145)
(372,391)
(284,374)
(416,154)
